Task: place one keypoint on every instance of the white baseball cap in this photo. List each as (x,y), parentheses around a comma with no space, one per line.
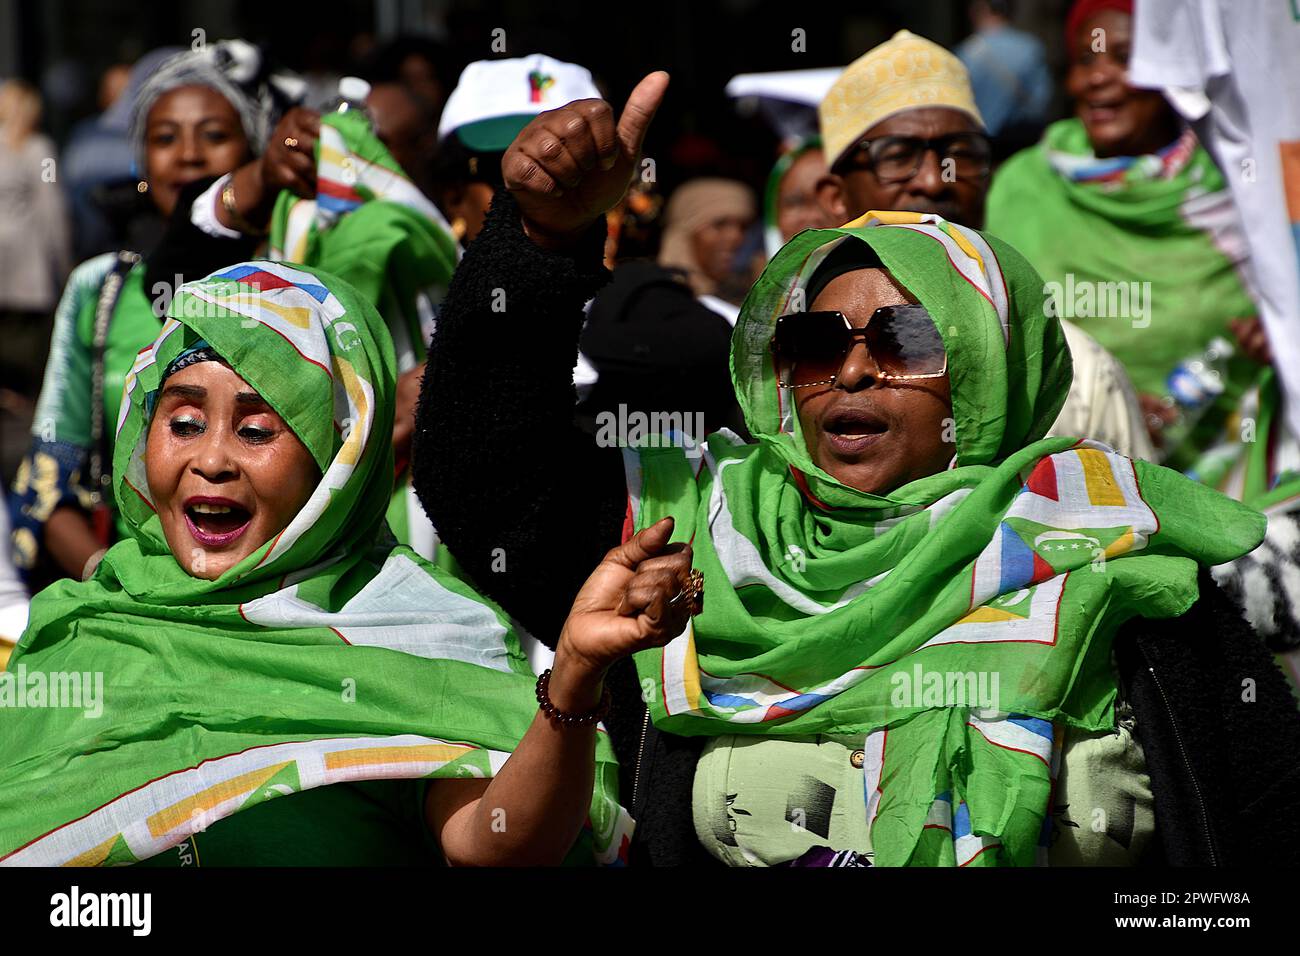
(495,99)
(805,87)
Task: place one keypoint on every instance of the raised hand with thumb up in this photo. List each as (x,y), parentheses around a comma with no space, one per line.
(569,165)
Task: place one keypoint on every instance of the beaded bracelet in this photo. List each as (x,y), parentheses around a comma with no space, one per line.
(569,720)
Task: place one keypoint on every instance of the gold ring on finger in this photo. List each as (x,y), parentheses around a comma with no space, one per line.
(693,591)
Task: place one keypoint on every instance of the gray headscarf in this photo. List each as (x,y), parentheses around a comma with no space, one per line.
(234,68)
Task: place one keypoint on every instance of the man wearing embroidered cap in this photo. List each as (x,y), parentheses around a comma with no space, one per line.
(493,101)
(902,131)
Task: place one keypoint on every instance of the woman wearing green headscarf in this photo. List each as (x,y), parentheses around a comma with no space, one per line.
(196,116)
(1122,210)
(918,612)
(790,197)
(260,634)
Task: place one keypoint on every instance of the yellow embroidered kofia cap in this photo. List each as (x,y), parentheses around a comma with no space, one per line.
(907,72)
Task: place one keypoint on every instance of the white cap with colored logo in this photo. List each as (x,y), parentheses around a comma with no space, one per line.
(495,99)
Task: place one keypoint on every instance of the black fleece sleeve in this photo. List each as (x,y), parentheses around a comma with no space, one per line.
(526,501)
(1221,734)
(499,463)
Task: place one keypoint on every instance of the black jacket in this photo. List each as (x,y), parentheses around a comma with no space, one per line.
(499,463)
(658,349)
(186,251)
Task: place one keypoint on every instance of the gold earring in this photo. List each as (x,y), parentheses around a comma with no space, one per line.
(459,227)
(142,187)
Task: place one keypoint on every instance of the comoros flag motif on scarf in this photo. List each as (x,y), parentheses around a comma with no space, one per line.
(352,168)
(371,226)
(327,655)
(959,624)
(1011,628)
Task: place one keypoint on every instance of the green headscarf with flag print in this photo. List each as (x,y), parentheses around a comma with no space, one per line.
(327,655)
(371,226)
(1144,250)
(1018,563)
(1242,463)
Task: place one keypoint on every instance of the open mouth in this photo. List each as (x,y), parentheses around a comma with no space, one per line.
(851,430)
(1103,110)
(215,522)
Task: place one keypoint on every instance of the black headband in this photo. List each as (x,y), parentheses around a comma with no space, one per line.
(200,352)
(849,256)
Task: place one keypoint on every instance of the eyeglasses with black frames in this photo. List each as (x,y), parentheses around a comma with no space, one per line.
(896,159)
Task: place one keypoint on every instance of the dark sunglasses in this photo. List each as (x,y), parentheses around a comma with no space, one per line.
(896,159)
(810,347)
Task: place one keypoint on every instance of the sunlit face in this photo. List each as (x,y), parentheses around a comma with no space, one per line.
(868,433)
(225,472)
(192,132)
(1120,120)
(797,207)
(929,190)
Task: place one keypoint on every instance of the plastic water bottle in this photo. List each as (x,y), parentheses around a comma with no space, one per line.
(1192,387)
(351,97)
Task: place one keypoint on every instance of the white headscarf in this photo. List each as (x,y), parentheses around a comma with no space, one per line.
(694,205)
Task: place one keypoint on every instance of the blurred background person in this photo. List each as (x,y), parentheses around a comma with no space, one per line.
(406,122)
(649,345)
(790,202)
(420,64)
(98,169)
(98,156)
(1122,192)
(704,233)
(1009,75)
(112,84)
(463,181)
(891,123)
(34,257)
(787,101)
